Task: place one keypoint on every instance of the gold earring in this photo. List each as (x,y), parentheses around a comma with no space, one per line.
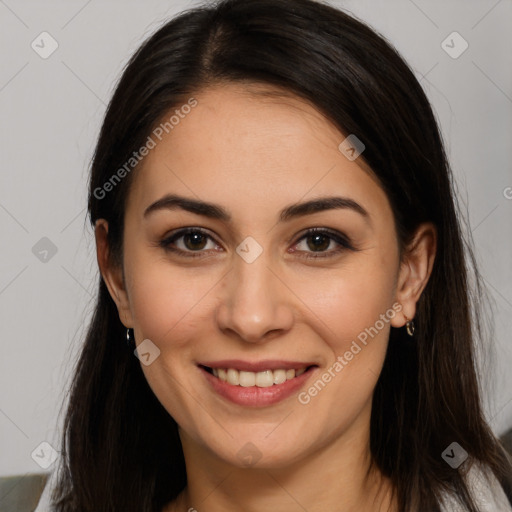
(409,326)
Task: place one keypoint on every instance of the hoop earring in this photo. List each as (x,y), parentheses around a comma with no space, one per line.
(410,326)
(128,339)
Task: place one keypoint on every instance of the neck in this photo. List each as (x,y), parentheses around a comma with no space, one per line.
(339,476)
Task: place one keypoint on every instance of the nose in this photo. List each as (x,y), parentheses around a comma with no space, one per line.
(255,304)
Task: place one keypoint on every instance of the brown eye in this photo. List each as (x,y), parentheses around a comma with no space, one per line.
(318,240)
(194,240)
(188,241)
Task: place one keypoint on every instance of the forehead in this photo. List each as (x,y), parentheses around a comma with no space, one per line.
(242,147)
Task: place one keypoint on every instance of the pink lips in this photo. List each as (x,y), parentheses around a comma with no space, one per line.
(255,396)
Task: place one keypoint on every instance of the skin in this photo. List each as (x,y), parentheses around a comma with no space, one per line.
(254,155)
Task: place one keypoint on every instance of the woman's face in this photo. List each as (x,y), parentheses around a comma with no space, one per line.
(249,289)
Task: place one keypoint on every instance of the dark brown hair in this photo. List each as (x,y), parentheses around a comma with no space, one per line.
(121,450)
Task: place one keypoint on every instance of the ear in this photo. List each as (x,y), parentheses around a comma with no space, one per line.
(112,274)
(415,270)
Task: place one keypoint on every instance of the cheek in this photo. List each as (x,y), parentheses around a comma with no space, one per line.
(356,309)
(166,300)
(355,306)
(350,299)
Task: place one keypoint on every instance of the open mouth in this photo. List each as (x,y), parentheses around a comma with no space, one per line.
(263,379)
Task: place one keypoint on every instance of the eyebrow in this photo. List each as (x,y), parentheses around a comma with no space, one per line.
(214,211)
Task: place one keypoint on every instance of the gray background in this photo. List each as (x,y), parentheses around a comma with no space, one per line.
(51,110)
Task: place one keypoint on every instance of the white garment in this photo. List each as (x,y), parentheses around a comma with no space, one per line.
(44,501)
(486,490)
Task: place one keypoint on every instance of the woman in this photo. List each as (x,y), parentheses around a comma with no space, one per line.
(284,318)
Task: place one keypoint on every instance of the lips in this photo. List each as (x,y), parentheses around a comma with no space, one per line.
(256,383)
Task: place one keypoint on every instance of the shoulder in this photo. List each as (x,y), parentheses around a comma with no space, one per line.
(485,489)
(43,504)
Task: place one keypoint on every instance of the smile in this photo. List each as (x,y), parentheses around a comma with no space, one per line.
(263,379)
(256,384)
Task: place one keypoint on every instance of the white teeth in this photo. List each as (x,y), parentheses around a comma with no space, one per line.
(279,376)
(247,379)
(233,377)
(265,379)
(262,379)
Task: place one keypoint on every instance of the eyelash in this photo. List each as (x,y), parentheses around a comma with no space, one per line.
(333,235)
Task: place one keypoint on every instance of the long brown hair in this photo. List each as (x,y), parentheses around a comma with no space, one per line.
(120,448)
